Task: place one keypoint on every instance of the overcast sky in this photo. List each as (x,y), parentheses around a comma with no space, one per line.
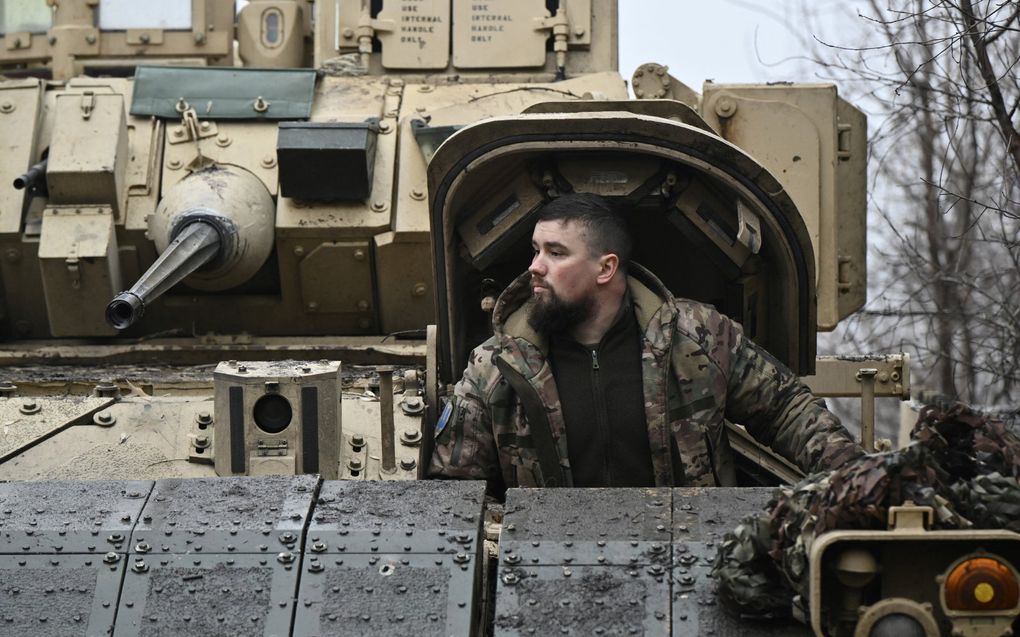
(732,40)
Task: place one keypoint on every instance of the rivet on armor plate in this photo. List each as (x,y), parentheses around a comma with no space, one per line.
(30,407)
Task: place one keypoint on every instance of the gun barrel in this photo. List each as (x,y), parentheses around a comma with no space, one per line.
(34,180)
(197,244)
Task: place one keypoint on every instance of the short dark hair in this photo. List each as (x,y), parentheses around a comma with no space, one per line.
(605,227)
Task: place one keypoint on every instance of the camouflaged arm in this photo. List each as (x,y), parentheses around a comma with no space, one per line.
(779,410)
(464,444)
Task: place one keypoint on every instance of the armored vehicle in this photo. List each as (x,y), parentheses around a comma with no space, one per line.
(245,255)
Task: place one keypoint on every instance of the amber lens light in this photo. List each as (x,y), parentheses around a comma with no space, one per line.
(981,584)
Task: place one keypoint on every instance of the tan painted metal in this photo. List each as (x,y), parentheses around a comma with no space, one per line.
(80,267)
(276,444)
(652,82)
(865,376)
(822,166)
(152,426)
(74,42)
(415,34)
(914,563)
(88,148)
(20,104)
(363,350)
(841,376)
(585,40)
(26,419)
(270,33)
(500,34)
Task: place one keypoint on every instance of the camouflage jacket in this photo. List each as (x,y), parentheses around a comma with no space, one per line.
(504,422)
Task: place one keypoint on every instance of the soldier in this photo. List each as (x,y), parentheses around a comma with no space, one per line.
(596,376)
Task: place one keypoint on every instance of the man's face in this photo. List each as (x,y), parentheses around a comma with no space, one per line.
(563,276)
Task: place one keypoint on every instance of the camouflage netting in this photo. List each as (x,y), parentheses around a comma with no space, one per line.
(962,463)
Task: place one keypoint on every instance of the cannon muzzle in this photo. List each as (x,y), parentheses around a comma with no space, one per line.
(197,244)
(34,180)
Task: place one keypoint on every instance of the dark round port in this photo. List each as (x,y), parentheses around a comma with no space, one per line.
(272,413)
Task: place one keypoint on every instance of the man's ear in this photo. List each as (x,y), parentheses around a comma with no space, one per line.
(609,265)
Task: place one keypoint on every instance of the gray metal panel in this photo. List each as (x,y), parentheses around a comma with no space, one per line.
(69,517)
(397,517)
(700,519)
(386,595)
(696,607)
(582,600)
(202,595)
(586,526)
(58,595)
(225,515)
(223,93)
(704,515)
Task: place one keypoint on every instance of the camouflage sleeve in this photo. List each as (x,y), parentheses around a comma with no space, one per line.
(464,444)
(778,409)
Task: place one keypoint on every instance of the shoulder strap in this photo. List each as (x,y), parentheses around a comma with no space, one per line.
(538,422)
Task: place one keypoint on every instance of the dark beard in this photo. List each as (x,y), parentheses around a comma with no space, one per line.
(555,316)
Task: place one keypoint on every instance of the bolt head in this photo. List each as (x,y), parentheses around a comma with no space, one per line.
(725,107)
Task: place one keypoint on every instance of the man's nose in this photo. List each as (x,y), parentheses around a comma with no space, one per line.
(537,266)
